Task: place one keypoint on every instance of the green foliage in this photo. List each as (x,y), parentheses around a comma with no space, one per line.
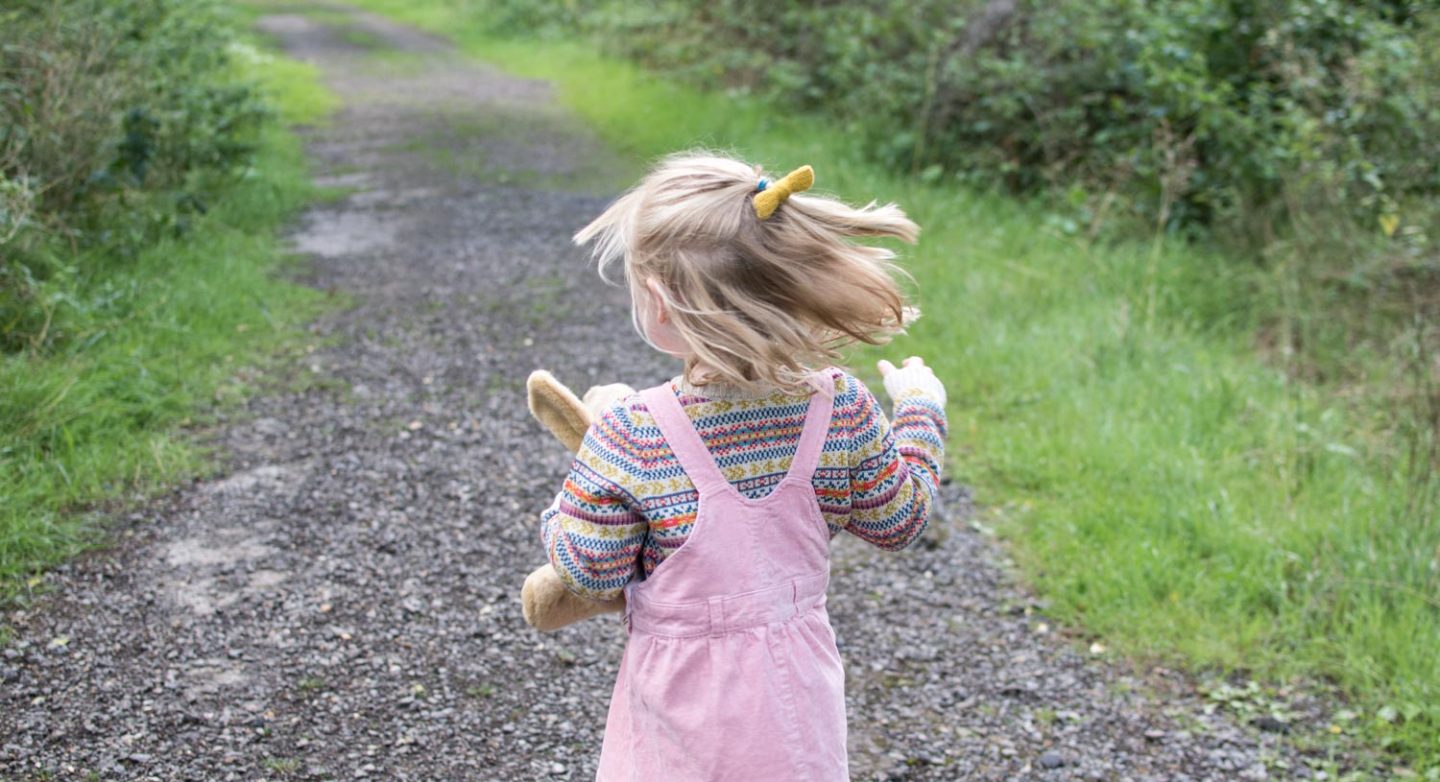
(1189,112)
(119,123)
(155,330)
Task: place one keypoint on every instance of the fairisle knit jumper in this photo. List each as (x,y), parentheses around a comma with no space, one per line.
(627,504)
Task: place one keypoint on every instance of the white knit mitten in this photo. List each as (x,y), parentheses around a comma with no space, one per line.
(905,382)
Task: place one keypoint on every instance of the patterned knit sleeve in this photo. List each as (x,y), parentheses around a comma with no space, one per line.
(894,470)
(592,531)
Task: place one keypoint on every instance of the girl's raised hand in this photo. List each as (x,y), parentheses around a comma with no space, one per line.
(886,367)
(912,376)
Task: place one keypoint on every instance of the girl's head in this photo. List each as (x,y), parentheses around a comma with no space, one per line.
(756,302)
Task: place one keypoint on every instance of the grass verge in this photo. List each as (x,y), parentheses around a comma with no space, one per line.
(165,337)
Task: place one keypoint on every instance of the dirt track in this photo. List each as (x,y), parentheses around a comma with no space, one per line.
(342,604)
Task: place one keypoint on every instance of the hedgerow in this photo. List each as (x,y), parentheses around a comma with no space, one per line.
(118,119)
(1190,113)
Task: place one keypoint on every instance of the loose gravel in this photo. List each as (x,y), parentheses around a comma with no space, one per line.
(343,603)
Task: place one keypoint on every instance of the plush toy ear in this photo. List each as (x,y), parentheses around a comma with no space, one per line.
(557,409)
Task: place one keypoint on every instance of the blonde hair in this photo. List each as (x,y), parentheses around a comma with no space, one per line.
(761,302)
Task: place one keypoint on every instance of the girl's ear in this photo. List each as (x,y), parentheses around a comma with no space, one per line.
(657,301)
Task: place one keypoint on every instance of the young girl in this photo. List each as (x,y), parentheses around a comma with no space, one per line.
(710,499)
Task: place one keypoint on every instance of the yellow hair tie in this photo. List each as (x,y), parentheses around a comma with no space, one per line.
(770,199)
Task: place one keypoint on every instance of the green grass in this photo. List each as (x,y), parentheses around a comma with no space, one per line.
(158,341)
(1160,482)
(293,87)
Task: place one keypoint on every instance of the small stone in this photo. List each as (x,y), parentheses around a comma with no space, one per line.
(1051,759)
(1271,724)
(557,769)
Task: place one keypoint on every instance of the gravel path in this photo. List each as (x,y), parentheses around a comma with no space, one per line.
(343,604)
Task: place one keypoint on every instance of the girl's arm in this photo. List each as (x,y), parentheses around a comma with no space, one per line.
(592,532)
(895,470)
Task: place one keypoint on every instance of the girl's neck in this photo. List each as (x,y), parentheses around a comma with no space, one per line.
(714,388)
(718,390)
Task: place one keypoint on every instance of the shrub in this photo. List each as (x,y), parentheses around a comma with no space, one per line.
(112,115)
(1189,113)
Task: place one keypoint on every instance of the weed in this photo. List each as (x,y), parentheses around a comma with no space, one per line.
(282,765)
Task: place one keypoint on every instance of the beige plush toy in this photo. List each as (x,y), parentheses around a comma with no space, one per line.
(548,605)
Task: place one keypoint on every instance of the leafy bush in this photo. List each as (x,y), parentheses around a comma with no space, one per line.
(151,342)
(113,113)
(1188,113)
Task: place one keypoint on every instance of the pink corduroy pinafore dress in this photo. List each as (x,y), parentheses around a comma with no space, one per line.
(731,670)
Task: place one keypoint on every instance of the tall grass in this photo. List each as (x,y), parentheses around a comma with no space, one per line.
(1163,484)
(157,341)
